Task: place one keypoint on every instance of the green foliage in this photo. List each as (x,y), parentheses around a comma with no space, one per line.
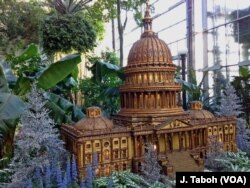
(29,67)
(241,84)
(27,63)
(61,109)
(56,72)
(126,179)
(67,33)
(19,22)
(102,89)
(11,107)
(194,90)
(68,6)
(236,162)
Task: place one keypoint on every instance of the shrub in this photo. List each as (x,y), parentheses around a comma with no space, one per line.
(67,33)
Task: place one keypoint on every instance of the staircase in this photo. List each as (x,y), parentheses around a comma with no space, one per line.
(183,161)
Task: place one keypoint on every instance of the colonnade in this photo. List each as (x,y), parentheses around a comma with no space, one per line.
(155,99)
(150,77)
(184,140)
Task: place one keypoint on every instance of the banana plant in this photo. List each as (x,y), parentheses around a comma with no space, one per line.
(11,106)
(46,76)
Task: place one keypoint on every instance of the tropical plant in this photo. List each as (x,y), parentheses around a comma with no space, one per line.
(11,106)
(241,84)
(68,6)
(126,179)
(37,141)
(194,90)
(235,162)
(46,75)
(102,88)
(30,66)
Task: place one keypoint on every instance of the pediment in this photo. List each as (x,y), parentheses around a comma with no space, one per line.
(173,124)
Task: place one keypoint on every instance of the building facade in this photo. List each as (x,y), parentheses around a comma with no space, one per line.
(151,112)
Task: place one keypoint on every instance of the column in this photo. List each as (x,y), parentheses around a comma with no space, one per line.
(135,146)
(135,100)
(81,154)
(158,144)
(170,99)
(163,99)
(190,140)
(192,136)
(149,101)
(185,136)
(167,99)
(78,156)
(172,144)
(111,149)
(129,100)
(166,143)
(142,145)
(179,138)
(101,142)
(125,100)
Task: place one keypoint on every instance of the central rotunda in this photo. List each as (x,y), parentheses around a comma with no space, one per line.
(150,92)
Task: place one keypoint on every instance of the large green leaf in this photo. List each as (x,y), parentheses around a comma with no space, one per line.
(28,53)
(102,69)
(56,72)
(60,101)
(244,72)
(23,85)
(11,106)
(62,110)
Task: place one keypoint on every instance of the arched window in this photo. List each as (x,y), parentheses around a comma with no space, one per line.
(106,154)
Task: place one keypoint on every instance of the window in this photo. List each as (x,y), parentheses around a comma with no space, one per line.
(106,144)
(124,166)
(88,158)
(124,141)
(98,155)
(116,154)
(116,167)
(116,142)
(97,172)
(124,153)
(106,170)
(97,145)
(88,146)
(106,154)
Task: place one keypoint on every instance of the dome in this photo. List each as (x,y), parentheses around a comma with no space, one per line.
(149,49)
(196,111)
(93,121)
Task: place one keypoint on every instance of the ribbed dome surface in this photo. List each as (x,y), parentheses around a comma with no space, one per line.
(196,111)
(200,114)
(93,121)
(149,50)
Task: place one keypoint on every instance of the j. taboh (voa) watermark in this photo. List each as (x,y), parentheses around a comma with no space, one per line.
(215,179)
